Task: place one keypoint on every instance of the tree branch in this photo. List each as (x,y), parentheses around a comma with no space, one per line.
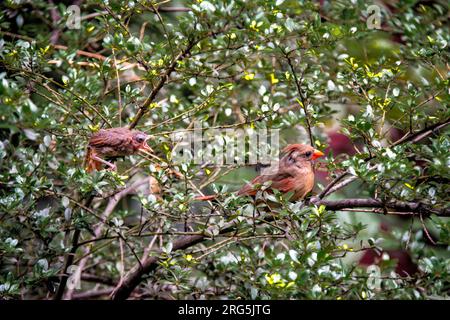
(411,208)
(134,277)
(92,294)
(70,257)
(112,203)
(421,134)
(303,100)
(174,9)
(413,137)
(162,81)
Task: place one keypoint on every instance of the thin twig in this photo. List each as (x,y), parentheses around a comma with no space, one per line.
(426,230)
(163,79)
(303,102)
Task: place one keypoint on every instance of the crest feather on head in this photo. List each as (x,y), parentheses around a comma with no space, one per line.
(302,148)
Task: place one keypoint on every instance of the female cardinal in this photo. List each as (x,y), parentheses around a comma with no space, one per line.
(113,143)
(294,172)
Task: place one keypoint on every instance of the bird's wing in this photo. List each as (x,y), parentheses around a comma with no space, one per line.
(110,138)
(284,184)
(281,181)
(300,181)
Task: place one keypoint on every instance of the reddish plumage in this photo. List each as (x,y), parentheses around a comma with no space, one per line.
(113,143)
(294,172)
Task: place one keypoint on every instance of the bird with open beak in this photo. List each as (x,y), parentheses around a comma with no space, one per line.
(294,173)
(113,143)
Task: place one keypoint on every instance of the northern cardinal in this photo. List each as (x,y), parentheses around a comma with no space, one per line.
(294,172)
(113,143)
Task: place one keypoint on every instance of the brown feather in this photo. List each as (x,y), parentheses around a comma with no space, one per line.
(292,173)
(113,143)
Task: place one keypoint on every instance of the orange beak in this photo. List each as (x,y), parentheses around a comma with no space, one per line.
(317,154)
(146,147)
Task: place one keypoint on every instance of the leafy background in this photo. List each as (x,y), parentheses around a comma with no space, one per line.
(375,99)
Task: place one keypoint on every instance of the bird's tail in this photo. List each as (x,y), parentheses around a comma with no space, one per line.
(206,198)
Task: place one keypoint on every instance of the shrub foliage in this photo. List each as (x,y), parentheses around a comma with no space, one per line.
(311,69)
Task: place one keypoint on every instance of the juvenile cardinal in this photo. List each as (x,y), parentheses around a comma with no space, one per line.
(294,172)
(113,143)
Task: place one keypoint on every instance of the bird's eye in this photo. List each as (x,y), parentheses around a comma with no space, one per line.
(308,154)
(140,139)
